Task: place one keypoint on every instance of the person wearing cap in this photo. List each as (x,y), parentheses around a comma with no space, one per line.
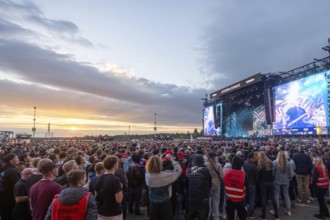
(42,193)
(199,188)
(236,183)
(184,167)
(251,170)
(217,177)
(73,202)
(136,182)
(183,162)
(21,210)
(177,186)
(36,176)
(10,176)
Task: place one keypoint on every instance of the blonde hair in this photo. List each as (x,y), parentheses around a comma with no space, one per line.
(264,162)
(282,161)
(318,161)
(154,164)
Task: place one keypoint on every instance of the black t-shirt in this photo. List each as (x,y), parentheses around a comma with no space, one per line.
(108,185)
(20,188)
(21,208)
(91,185)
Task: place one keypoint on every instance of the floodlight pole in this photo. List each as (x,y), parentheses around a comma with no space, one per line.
(34,123)
(155,127)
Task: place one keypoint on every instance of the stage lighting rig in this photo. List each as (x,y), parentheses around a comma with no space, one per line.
(205,99)
(327,48)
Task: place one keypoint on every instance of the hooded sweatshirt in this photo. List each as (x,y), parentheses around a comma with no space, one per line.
(199,180)
(237,165)
(160,184)
(72,195)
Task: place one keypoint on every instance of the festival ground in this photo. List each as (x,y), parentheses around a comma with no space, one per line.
(301,211)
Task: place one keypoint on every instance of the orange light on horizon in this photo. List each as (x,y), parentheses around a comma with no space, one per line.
(73,128)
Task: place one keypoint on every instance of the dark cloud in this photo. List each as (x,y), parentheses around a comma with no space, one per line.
(55,25)
(9,29)
(25,8)
(29,15)
(117,97)
(82,41)
(34,64)
(82,91)
(264,36)
(177,110)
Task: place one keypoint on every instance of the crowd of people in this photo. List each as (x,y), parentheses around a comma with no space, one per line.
(201,179)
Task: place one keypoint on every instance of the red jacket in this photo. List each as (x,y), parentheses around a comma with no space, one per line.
(75,211)
(323,178)
(234,185)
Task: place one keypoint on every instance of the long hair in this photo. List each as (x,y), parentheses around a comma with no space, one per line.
(154,164)
(282,161)
(318,161)
(211,159)
(264,163)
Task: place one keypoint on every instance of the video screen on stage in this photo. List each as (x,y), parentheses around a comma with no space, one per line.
(212,119)
(245,116)
(300,106)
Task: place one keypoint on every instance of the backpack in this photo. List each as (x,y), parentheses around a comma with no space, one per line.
(135,176)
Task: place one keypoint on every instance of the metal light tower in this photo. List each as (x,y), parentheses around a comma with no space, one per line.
(129,132)
(34,123)
(155,128)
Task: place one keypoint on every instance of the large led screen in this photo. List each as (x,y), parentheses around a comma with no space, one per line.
(300,106)
(212,120)
(245,116)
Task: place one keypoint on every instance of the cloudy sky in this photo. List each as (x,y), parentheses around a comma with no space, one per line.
(102,67)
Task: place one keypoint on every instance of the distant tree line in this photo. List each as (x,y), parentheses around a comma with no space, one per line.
(158,136)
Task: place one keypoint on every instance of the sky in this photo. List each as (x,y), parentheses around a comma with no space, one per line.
(106,67)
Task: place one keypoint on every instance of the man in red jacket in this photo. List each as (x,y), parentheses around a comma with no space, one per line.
(74,202)
(236,183)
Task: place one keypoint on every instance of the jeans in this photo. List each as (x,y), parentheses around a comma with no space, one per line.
(252,192)
(292,188)
(176,206)
(222,197)
(285,191)
(238,206)
(214,203)
(266,189)
(303,179)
